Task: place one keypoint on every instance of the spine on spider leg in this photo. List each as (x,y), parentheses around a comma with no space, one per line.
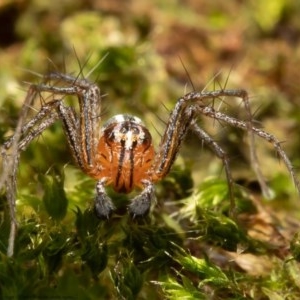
(68,119)
(90,105)
(277,145)
(208,140)
(179,122)
(267,192)
(242,94)
(209,111)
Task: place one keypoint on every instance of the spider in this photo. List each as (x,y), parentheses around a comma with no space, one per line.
(121,153)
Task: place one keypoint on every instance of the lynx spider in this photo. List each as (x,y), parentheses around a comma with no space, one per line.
(121,154)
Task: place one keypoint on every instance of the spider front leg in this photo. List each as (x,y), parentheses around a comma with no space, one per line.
(84,155)
(83,128)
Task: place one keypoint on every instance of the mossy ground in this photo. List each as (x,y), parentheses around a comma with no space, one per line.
(188,247)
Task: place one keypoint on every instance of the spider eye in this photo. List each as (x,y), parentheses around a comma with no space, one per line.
(145,136)
(126,131)
(109,134)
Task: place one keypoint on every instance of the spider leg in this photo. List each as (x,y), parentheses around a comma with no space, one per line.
(9,171)
(243,95)
(211,112)
(187,109)
(10,159)
(141,204)
(82,130)
(63,77)
(11,164)
(70,123)
(13,145)
(89,99)
(32,129)
(208,140)
(180,120)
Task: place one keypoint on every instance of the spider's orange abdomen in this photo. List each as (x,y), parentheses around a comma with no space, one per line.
(125,154)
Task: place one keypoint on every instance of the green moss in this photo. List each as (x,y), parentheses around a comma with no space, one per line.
(188,247)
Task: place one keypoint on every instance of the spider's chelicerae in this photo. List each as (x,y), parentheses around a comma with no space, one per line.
(121,153)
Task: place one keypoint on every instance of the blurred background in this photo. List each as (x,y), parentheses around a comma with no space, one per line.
(151,53)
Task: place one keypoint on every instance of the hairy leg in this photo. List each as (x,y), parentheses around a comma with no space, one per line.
(208,140)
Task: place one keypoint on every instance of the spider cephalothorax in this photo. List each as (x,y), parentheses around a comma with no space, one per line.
(121,154)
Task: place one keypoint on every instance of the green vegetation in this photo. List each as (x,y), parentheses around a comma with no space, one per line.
(188,247)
